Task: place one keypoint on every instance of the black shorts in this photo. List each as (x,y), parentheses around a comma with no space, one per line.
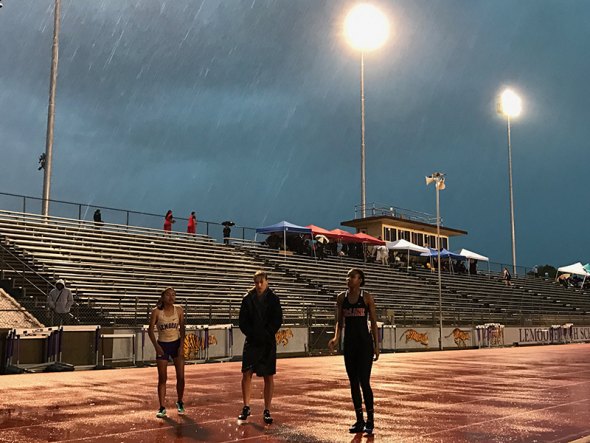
(170,349)
(261,359)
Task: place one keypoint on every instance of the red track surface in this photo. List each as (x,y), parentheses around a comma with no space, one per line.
(534,394)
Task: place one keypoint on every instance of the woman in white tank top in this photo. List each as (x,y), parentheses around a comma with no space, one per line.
(168,319)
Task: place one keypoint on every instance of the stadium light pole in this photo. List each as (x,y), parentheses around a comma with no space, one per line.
(438,179)
(509,106)
(51,110)
(366,29)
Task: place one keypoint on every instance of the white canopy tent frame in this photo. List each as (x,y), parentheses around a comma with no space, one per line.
(576,268)
(475,256)
(405,245)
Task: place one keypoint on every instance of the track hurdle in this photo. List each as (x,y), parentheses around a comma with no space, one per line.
(567,330)
(387,336)
(76,329)
(144,332)
(50,339)
(196,344)
(490,334)
(204,343)
(100,363)
(221,342)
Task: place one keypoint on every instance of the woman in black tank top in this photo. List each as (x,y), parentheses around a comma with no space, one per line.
(360,345)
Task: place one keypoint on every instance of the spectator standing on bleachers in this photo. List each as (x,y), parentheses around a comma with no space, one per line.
(383,255)
(472,266)
(361,347)
(59,302)
(168,221)
(507,277)
(320,245)
(460,267)
(191,227)
(168,319)
(98,219)
(261,318)
(226,234)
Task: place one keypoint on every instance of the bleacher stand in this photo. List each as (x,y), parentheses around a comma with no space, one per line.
(116,273)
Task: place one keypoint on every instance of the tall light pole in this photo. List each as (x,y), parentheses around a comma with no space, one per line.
(366,29)
(509,106)
(438,179)
(51,110)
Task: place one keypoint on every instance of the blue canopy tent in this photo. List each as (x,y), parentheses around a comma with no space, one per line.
(284,227)
(443,254)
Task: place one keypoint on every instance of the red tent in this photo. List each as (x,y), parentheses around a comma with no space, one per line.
(366,238)
(316,230)
(344,236)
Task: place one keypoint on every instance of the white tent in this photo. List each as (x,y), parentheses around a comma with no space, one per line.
(472,255)
(475,256)
(405,245)
(576,268)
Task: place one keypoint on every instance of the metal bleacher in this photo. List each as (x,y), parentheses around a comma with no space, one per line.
(118,271)
(413,296)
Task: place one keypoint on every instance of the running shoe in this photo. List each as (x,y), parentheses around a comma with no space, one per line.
(180,407)
(357,428)
(267,417)
(369,426)
(245,413)
(161,412)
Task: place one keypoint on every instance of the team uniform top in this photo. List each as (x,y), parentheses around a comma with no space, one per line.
(355,315)
(168,326)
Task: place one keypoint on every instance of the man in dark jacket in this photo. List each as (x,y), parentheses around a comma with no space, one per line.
(261,317)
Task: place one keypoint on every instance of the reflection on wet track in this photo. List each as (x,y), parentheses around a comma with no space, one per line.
(539,394)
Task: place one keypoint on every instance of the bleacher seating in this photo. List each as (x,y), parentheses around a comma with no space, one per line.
(118,271)
(413,296)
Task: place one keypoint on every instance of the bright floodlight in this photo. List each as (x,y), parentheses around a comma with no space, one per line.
(366,27)
(510,103)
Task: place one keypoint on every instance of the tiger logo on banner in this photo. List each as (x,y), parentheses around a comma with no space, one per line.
(460,337)
(193,344)
(283,336)
(418,337)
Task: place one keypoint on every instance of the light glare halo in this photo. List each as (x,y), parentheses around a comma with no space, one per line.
(366,27)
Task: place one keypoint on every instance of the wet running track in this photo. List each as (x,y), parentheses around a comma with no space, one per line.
(528,394)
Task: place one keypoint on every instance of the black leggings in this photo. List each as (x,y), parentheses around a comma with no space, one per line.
(358,359)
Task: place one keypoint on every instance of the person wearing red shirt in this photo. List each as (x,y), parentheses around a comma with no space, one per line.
(192,224)
(168,220)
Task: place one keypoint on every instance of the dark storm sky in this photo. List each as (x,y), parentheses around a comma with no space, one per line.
(249,110)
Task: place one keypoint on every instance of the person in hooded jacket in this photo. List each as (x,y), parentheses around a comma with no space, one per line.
(59,302)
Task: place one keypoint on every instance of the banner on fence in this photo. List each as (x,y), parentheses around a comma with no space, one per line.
(290,340)
(428,338)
